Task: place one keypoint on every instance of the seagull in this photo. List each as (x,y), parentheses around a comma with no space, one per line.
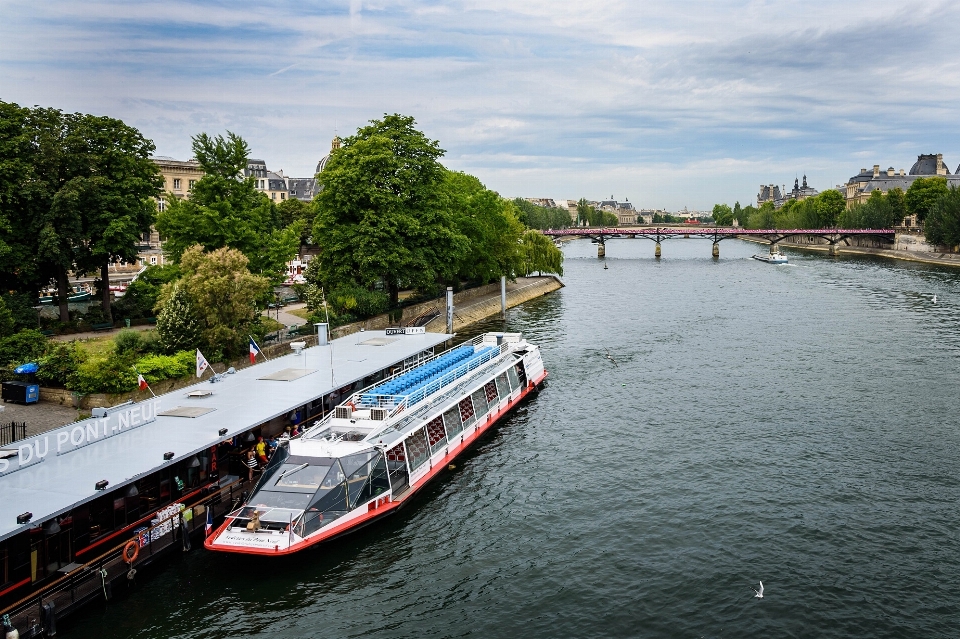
(611,358)
(934,298)
(759,594)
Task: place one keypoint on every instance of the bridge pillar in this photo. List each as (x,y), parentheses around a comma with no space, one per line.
(601,250)
(716,249)
(656,252)
(832,250)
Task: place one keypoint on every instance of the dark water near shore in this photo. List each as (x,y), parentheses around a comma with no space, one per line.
(793,424)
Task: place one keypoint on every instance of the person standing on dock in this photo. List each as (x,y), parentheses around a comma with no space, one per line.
(251,463)
(261,450)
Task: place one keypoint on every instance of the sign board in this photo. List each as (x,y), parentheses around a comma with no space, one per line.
(33,450)
(407,330)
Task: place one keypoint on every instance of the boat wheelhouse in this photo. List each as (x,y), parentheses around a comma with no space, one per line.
(380,446)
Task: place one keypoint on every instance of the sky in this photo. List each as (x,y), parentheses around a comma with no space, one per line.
(668,104)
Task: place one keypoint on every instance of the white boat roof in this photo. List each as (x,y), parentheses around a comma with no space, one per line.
(239,402)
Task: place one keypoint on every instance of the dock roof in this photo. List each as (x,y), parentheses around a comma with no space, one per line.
(238,402)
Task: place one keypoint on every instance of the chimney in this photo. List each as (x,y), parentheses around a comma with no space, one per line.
(941,170)
(876,170)
(890,172)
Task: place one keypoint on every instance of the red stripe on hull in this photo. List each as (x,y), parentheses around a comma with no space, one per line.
(389,507)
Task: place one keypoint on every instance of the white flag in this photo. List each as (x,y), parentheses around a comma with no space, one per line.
(201,363)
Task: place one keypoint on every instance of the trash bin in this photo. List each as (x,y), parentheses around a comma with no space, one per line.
(127,322)
(21,392)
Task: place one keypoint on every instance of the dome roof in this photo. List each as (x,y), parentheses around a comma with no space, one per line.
(322,163)
(926,165)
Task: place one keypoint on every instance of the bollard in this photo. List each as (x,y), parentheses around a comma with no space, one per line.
(656,252)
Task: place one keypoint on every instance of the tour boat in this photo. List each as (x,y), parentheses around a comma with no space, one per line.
(380,447)
(773,257)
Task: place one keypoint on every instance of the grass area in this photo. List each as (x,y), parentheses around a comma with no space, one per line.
(101,346)
(299,312)
(270,324)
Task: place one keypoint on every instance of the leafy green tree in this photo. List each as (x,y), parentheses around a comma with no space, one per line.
(723,214)
(140,298)
(541,217)
(60,361)
(737,213)
(177,324)
(223,296)
(382,219)
(922,195)
(942,225)
(898,206)
(295,211)
(539,254)
(490,225)
(830,205)
(225,210)
(6,320)
(22,347)
(584,211)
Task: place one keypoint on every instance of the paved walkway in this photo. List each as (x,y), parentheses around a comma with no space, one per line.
(285,318)
(40,417)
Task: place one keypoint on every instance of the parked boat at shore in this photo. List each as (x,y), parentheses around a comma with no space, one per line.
(380,447)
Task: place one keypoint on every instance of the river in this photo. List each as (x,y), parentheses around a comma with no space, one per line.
(791,424)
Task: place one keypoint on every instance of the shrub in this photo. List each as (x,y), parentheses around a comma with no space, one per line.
(61,360)
(6,320)
(155,368)
(95,315)
(177,324)
(140,298)
(128,342)
(26,346)
(113,374)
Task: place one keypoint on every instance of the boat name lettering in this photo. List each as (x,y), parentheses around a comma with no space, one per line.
(407,330)
(64,440)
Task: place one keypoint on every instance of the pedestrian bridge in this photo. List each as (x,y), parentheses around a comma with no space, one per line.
(834,237)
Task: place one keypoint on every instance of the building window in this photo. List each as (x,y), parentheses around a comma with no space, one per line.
(191,183)
(161,205)
(283,196)
(176,184)
(153,260)
(273,196)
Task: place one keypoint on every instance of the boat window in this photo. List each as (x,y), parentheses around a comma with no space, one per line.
(479,402)
(491,391)
(417,449)
(467,414)
(512,376)
(333,484)
(436,436)
(397,467)
(503,386)
(451,421)
(362,483)
(351,463)
(521,373)
(304,475)
(276,461)
(277,499)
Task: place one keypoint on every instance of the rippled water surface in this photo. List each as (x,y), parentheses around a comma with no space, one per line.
(792,424)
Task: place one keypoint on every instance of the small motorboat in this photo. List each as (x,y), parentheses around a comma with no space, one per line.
(773,257)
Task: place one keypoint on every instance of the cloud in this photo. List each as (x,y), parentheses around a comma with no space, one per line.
(669,104)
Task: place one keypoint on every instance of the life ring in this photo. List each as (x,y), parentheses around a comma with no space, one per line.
(131,551)
(352,406)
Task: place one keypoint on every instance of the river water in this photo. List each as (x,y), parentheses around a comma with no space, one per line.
(791,424)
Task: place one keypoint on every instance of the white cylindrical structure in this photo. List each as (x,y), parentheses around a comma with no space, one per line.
(503,297)
(321,333)
(450,309)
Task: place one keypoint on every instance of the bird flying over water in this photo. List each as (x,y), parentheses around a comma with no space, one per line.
(934,298)
(759,594)
(611,358)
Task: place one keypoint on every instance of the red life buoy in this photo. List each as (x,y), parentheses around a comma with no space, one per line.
(130,551)
(352,406)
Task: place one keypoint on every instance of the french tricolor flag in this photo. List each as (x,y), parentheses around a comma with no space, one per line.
(208,528)
(254,351)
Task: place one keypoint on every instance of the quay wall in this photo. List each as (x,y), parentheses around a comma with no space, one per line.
(910,247)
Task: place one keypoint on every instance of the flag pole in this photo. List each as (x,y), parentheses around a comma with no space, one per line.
(139,374)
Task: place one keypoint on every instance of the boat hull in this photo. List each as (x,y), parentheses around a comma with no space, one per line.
(377,509)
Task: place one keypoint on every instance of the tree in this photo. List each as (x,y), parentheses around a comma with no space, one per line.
(177,325)
(6,320)
(583,212)
(382,219)
(114,189)
(539,254)
(922,195)
(737,213)
(225,210)
(723,214)
(292,211)
(490,225)
(942,226)
(830,204)
(223,294)
(541,217)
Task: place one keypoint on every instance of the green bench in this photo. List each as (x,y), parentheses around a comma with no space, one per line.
(104,326)
(292,299)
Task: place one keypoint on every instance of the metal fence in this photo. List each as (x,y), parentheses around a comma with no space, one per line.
(11,432)
(36,614)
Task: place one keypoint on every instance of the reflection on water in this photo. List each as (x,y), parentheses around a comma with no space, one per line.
(786,424)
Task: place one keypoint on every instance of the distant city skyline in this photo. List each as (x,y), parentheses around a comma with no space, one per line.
(670,104)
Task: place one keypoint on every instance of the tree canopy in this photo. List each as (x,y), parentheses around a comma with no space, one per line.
(226,210)
(381,214)
(942,225)
(922,195)
(541,217)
